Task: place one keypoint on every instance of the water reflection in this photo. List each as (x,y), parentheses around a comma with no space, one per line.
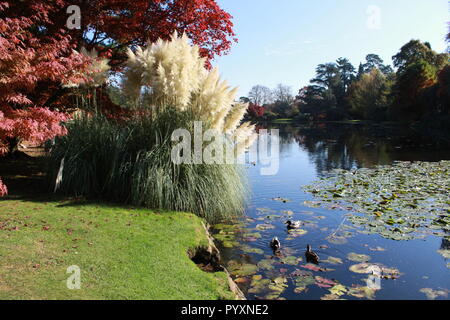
(332,146)
(306,152)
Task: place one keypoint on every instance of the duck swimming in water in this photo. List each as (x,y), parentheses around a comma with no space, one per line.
(293,224)
(311,256)
(275,244)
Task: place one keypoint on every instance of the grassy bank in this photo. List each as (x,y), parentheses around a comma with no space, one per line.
(123,253)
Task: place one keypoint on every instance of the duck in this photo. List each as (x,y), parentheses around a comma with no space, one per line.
(311,256)
(293,224)
(275,244)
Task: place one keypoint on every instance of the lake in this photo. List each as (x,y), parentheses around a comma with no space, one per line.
(307,153)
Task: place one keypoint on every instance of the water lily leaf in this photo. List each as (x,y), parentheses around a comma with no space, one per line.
(303,278)
(330,297)
(312,204)
(362,292)
(249,249)
(266,264)
(241,269)
(254,235)
(263,227)
(290,260)
(338,290)
(376,269)
(333,260)
(297,232)
(444,253)
(258,284)
(358,257)
(399,202)
(361,268)
(316,268)
(434,294)
(299,290)
(324,283)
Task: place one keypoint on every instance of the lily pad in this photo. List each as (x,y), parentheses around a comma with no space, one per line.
(403,201)
(324,283)
(434,294)
(444,253)
(266,264)
(333,260)
(249,249)
(241,269)
(358,257)
(290,260)
(338,290)
(362,292)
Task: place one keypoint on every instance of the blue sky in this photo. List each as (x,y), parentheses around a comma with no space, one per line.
(282,41)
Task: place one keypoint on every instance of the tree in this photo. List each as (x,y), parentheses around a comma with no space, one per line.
(369,96)
(416,51)
(260,95)
(411,84)
(255,112)
(36,51)
(29,59)
(34,38)
(347,71)
(373,61)
(443,90)
(31,124)
(283,94)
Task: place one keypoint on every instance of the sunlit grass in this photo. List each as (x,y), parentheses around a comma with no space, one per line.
(123,253)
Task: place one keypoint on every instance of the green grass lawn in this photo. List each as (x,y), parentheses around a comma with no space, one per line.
(283,121)
(123,253)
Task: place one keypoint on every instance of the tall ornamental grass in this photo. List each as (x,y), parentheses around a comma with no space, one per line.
(169,87)
(131,163)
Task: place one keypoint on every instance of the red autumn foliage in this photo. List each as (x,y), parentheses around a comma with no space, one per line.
(36,49)
(116,24)
(256,111)
(33,124)
(30,55)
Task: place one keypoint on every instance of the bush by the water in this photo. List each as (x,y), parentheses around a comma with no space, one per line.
(131,163)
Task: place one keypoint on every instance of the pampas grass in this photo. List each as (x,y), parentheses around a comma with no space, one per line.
(131,162)
(174,74)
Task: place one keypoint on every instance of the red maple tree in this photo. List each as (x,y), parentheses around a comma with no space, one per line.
(36,47)
(256,111)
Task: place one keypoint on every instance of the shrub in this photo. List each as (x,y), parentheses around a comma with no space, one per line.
(131,163)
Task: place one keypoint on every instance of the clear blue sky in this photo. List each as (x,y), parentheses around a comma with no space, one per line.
(282,41)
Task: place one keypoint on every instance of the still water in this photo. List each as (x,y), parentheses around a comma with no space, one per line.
(306,154)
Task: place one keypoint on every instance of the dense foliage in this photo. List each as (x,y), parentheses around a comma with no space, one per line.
(42,61)
(417,90)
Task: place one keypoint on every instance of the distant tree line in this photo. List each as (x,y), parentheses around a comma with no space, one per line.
(416,88)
